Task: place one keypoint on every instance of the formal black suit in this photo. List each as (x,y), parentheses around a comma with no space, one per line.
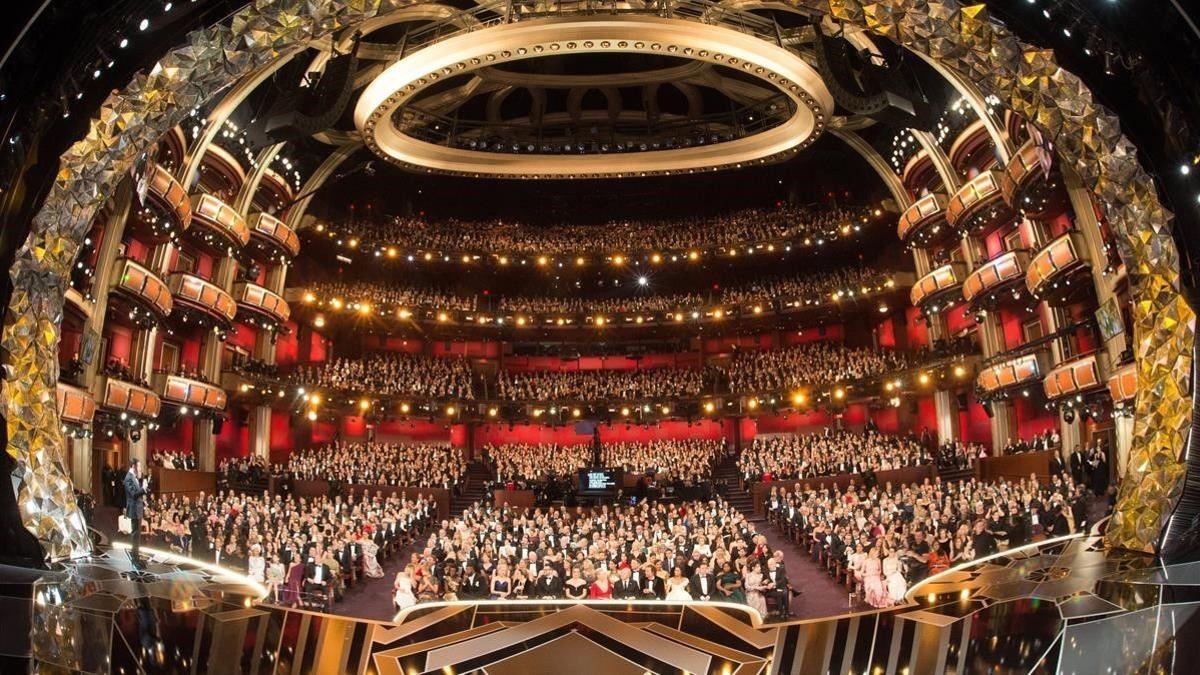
(780,592)
(134,507)
(626,589)
(703,591)
(653,589)
(548,587)
(473,587)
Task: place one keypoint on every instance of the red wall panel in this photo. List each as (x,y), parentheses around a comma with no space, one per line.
(618,432)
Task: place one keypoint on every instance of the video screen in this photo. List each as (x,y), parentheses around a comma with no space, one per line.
(599,481)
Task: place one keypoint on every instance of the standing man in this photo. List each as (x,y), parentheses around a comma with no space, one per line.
(135,492)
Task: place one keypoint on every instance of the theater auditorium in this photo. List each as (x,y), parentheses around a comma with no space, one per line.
(603,336)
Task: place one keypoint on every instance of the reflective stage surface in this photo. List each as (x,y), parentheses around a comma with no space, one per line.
(1068,607)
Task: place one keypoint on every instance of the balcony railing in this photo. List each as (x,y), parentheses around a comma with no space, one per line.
(1031,184)
(1014,372)
(135,282)
(217,225)
(121,396)
(197,294)
(979,205)
(1000,273)
(1052,272)
(1077,376)
(259,301)
(1122,384)
(943,283)
(168,194)
(269,234)
(185,391)
(75,405)
(924,222)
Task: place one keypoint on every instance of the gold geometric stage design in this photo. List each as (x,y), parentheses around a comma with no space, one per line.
(961,39)
(1063,606)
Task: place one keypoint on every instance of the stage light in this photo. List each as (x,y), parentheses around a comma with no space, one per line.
(624,412)
(709,407)
(656,258)
(579,262)
(575,412)
(451,411)
(959,371)
(442,316)
(752,403)
(404,408)
(404,314)
(642,281)
(839,393)
(618,260)
(693,256)
(492,412)
(923,378)
(599,321)
(542,260)
(392,252)
(316,399)
(798,398)
(364,404)
(312,415)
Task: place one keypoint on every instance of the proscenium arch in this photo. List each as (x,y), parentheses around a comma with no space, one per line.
(961,39)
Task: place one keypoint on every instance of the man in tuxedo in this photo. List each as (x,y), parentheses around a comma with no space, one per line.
(474,586)
(135,494)
(625,587)
(777,587)
(703,584)
(1077,460)
(652,586)
(318,579)
(548,586)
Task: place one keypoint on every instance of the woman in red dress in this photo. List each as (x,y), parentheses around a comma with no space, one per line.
(601,588)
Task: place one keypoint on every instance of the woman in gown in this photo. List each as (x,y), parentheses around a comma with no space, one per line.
(501,583)
(894,577)
(370,554)
(427,586)
(576,587)
(677,586)
(939,558)
(402,591)
(256,565)
(874,592)
(601,588)
(729,583)
(754,588)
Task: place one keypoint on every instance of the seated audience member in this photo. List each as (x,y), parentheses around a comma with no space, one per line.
(828,453)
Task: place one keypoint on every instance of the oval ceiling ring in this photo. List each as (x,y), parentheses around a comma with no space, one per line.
(776,66)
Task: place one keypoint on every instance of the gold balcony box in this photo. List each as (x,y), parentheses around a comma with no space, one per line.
(1012,373)
(168,194)
(924,222)
(979,205)
(225,227)
(1122,384)
(942,282)
(191,290)
(1055,267)
(1077,376)
(255,298)
(122,396)
(135,282)
(997,274)
(185,391)
(1031,184)
(75,405)
(273,236)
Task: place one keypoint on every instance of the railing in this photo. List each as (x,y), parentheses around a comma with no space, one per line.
(1073,377)
(121,396)
(274,234)
(915,222)
(1058,258)
(221,220)
(938,283)
(1012,373)
(202,295)
(186,391)
(979,204)
(135,281)
(75,405)
(1001,271)
(255,298)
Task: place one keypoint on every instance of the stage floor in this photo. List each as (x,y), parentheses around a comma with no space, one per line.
(1066,606)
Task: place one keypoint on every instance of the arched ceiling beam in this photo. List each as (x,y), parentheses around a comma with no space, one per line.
(245,197)
(296,211)
(940,161)
(878,163)
(495,102)
(554,81)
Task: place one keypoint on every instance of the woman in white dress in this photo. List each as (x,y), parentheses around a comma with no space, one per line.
(755,587)
(403,591)
(256,564)
(371,566)
(275,574)
(677,586)
(893,576)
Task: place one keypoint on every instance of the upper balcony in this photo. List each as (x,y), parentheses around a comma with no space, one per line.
(125,397)
(979,207)
(183,391)
(1076,377)
(256,302)
(1012,373)
(149,297)
(1057,274)
(271,239)
(924,223)
(216,226)
(972,147)
(202,299)
(940,288)
(1032,184)
(1122,384)
(221,173)
(995,279)
(75,405)
(166,210)
(274,193)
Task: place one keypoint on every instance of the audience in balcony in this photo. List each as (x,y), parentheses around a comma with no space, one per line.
(683,462)
(598,385)
(182,460)
(118,369)
(745,226)
(956,455)
(1047,440)
(398,464)
(242,471)
(304,549)
(827,453)
(392,374)
(814,363)
(883,539)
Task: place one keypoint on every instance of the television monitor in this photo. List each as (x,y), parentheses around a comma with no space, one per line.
(600,481)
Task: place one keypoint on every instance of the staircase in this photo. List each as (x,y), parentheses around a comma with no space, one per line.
(474,489)
(729,483)
(952,475)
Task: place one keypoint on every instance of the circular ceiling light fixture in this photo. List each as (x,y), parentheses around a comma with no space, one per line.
(385,115)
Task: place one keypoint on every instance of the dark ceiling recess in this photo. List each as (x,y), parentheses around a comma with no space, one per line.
(304,111)
(866,87)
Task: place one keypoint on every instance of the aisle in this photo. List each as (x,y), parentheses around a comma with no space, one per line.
(822,596)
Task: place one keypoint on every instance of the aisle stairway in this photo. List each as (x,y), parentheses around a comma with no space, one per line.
(725,475)
(952,475)
(474,489)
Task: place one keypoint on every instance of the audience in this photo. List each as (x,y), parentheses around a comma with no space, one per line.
(391,374)
(179,459)
(398,464)
(830,452)
(685,461)
(809,364)
(599,385)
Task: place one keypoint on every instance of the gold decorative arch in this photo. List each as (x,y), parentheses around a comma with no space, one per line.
(962,39)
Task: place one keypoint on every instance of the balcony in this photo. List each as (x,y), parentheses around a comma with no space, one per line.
(1057,274)
(257,302)
(140,287)
(216,226)
(972,147)
(165,212)
(125,397)
(220,172)
(1032,185)
(202,298)
(270,237)
(979,207)
(987,285)
(184,391)
(1078,376)
(1012,373)
(1122,384)
(924,223)
(274,193)
(942,286)
(75,405)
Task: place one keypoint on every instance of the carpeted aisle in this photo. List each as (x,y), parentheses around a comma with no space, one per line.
(821,596)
